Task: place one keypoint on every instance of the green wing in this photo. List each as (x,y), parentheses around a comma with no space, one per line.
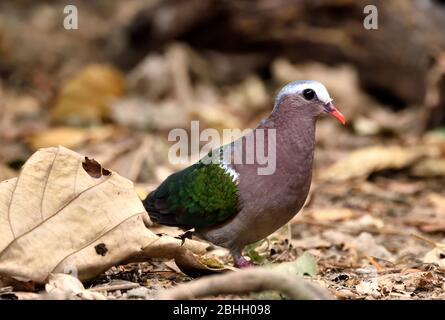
(201,195)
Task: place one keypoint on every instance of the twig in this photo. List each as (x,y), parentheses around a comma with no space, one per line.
(115,287)
(374,263)
(245,281)
(178,59)
(139,158)
(424,239)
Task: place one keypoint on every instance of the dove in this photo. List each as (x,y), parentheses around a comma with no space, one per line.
(232,203)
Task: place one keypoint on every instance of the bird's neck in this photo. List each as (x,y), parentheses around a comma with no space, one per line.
(295,144)
(295,141)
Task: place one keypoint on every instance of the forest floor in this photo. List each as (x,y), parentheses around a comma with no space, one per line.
(375,238)
(378,235)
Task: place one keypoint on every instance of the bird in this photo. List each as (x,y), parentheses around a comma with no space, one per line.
(229,203)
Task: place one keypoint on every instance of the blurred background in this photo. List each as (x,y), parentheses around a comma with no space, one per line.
(135,69)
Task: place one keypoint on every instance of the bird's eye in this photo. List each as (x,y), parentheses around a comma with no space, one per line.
(308,94)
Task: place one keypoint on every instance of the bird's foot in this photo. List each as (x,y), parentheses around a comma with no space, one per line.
(242,263)
(186,235)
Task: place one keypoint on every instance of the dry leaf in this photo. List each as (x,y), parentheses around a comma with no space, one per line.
(250,95)
(84,98)
(138,113)
(332,214)
(436,255)
(65,287)
(310,242)
(368,287)
(366,244)
(438,201)
(363,162)
(70,137)
(215,116)
(57,217)
(432,218)
(427,168)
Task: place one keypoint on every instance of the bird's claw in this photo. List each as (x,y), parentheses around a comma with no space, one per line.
(186,235)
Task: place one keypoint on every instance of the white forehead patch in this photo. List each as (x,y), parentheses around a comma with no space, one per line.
(297,87)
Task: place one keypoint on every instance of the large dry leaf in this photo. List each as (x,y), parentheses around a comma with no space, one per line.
(57,217)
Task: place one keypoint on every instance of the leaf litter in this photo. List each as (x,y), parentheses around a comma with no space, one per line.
(352,250)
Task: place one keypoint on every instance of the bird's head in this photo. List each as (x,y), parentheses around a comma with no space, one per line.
(306,98)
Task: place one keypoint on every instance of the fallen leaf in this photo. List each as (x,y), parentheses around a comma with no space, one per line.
(84,98)
(368,287)
(366,221)
(70,137)
(138,113)
(432,218)
(211,262)
(427,168)
(304,265)
(250,95)
(254,252)
(363,162)
(216,116)
(56,217)
(366,244)
(410,270)
(151,77)
(139,293)
(436,256)
(65,287)
(310,243)
(438,201)
(332,214)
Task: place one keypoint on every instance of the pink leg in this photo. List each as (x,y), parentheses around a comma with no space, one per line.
(240,261)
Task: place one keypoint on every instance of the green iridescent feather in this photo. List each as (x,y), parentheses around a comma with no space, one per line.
(201,195)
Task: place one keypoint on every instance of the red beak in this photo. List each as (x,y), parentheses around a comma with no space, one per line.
(332,110)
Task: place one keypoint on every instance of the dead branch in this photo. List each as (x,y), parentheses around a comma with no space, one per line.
(245,281)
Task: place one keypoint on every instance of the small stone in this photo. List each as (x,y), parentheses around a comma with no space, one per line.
(140,292)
